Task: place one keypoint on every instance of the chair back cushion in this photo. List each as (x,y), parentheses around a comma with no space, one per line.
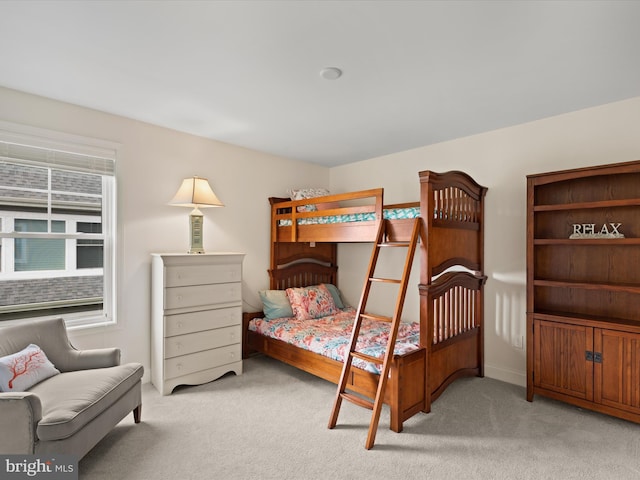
(50,335)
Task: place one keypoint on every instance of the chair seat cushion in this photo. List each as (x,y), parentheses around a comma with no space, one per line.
(72,399)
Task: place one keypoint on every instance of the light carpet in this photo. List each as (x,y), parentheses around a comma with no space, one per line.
(271,423)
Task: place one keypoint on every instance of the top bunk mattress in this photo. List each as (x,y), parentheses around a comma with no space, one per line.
(387,214)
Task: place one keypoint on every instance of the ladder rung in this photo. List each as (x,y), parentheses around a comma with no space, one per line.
(384,280)
(357,400)
(394,244)
(377,318)
(367,358)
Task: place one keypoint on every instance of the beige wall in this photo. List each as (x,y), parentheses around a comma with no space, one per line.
(151,163)
(499,160)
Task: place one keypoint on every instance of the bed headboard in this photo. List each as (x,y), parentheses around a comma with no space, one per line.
(302,264)
(452,206)
(302,274)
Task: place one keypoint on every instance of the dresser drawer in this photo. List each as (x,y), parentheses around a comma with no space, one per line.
(183,365)
(203,320)
(199,341)
(199,295)
(184,275)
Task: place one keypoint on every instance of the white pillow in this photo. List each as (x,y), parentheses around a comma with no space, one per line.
(302,193)
(21,371)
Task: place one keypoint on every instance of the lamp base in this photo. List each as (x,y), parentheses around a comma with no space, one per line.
(195,232)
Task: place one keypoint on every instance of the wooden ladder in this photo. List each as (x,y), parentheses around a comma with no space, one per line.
(361,314)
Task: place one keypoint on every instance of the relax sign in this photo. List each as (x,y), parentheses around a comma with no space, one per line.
(589,230)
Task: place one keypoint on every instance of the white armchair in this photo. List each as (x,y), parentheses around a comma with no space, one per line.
(68,413)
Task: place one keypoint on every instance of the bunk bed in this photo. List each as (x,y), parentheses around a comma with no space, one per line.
(304,238)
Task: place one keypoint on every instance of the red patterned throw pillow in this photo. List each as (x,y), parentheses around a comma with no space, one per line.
(311,302)
(20,371)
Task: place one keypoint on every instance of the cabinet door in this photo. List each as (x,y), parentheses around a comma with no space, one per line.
(617,378)
(560,358)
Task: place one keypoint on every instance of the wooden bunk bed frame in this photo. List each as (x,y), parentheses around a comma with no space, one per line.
(451,302)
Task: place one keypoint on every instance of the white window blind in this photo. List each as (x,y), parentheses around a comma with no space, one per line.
(65,186)
(45,157)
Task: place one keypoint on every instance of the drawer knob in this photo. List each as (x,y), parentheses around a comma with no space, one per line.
(179,346)
(179,366)
(179,324)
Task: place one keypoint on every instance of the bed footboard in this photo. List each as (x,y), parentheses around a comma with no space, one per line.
(454,331)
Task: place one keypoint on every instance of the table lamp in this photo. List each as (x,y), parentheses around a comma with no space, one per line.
(196,193)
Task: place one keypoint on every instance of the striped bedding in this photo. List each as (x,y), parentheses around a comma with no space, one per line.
(389,214)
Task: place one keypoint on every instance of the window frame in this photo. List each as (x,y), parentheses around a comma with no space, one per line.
(96,152)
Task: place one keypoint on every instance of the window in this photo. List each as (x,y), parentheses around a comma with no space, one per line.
(32,254)
(56,230)
(89,253)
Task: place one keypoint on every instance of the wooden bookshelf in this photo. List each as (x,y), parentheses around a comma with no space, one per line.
(583,294)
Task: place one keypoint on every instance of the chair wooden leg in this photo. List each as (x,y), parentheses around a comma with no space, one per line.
(137,412)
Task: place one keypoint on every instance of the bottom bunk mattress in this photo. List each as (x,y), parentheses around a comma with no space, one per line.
(330,336)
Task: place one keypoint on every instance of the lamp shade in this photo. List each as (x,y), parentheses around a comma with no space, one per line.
(195,192)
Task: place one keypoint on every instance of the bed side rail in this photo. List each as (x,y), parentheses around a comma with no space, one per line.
(327,205)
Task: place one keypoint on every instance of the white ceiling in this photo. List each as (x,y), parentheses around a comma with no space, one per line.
(247,72)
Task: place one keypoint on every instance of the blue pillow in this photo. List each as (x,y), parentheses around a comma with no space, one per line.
(335,293)
(275,304)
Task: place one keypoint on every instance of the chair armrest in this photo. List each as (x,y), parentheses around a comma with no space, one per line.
(20,413)
(94,358)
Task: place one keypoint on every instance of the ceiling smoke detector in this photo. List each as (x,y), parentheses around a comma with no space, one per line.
(330,73)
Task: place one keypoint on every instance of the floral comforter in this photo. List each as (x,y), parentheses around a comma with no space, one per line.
(330,336)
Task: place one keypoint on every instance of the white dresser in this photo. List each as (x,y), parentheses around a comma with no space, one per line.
(196,324)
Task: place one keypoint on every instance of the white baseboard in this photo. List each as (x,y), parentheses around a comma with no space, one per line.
(505,375)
